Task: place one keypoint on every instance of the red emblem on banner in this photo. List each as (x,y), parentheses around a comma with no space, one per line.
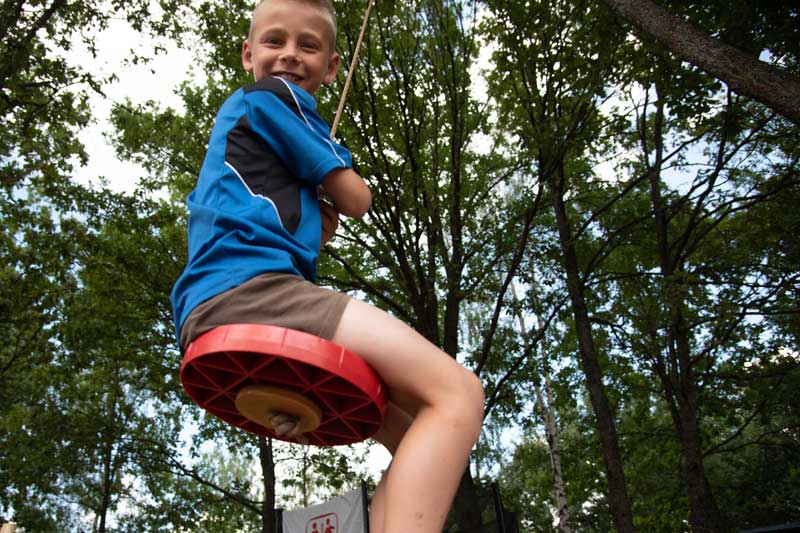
(326,523)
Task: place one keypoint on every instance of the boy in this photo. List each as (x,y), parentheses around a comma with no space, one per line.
(255,229)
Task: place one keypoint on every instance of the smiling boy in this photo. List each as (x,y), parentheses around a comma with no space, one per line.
(306,30)
(255,230)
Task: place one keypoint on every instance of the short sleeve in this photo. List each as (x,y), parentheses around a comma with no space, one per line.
(286,118)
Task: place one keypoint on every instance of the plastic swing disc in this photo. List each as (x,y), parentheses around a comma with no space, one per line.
(272,368)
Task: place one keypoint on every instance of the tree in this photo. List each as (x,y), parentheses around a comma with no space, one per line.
(43,105)
(43,94)
(680,243)
(94,384)
(752,468)
(704,296)
(741,70)
(443,233)
(550,94)
(681,262)
(36,282)
(545,403)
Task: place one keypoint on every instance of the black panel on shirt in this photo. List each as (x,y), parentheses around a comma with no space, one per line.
(264,172)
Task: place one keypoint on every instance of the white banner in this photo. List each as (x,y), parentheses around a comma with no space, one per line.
(343,514)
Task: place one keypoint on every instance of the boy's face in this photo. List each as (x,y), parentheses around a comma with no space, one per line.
(291,40)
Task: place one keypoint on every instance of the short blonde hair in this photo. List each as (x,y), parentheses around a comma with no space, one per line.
(325,6)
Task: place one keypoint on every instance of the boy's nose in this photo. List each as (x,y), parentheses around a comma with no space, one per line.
(289,54)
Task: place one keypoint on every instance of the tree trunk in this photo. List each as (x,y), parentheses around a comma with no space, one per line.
(108,466)
(606,429)
(554,445)
(680,382)
(703,512)
(742,72)
(268,471)
(466,506)
(108,453)
(544,400)
(554,448)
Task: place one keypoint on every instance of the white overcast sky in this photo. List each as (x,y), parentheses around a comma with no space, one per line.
(154,81)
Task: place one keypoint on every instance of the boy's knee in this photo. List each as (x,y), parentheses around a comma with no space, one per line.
(475,392)
(471,401)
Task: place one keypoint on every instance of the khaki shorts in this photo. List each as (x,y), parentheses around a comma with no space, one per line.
(273,299)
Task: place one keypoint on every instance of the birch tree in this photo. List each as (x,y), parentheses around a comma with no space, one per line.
(545,402)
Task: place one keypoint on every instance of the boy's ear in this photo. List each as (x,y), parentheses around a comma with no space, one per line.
(247,56)
(333,68)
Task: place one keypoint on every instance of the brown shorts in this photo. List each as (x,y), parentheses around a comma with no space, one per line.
(274,299)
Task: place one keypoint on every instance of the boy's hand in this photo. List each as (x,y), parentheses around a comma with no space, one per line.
(286,425)
(330,221)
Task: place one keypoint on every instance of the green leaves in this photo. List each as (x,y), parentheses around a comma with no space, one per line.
(94,425)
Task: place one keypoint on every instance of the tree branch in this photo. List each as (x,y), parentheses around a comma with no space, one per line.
(742,72)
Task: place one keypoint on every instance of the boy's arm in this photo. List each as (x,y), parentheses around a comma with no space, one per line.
(349,193)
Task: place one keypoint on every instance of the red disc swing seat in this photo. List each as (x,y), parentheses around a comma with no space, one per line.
(239,372)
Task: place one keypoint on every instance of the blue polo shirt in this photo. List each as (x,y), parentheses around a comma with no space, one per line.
(255,209)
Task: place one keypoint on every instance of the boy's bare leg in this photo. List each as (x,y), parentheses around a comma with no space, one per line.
(447,402)
(395,424)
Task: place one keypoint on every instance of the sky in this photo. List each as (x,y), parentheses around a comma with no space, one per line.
(155,81)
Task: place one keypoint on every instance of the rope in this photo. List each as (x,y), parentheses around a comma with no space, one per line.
(350,71)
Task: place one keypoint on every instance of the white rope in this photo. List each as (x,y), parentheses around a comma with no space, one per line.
(350,71)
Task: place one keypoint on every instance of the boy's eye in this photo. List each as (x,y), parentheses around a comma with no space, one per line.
(309,45)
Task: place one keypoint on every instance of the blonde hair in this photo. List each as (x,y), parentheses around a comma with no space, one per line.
(325,6)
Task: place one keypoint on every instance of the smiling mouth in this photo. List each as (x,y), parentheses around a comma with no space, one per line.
(288,76)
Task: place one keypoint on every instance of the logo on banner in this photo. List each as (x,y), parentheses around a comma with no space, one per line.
(326,523)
